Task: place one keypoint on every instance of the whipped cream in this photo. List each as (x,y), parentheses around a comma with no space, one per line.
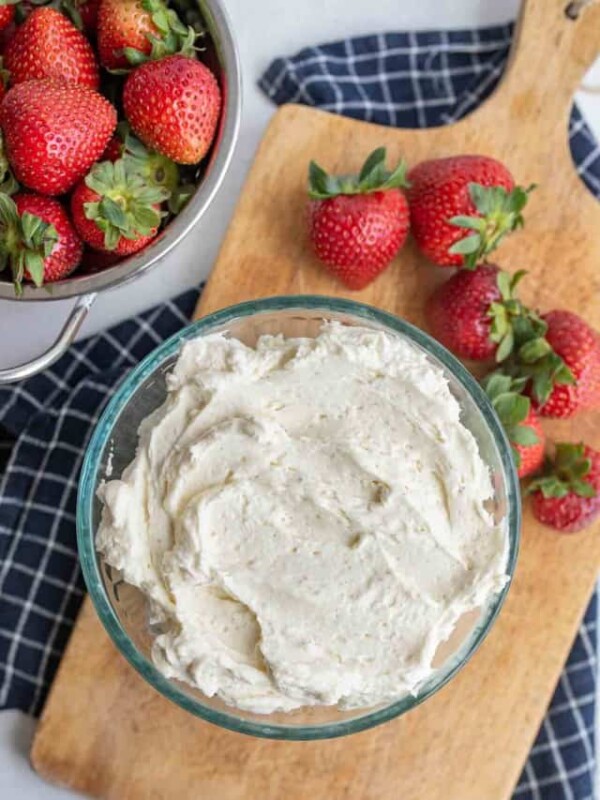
(307,519)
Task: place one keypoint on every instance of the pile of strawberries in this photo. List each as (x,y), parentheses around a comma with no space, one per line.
(105,114)
(546,365)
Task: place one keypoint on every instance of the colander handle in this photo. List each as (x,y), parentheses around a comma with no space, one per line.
(53,353)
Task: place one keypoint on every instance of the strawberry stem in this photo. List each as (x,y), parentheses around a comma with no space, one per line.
(523,348)
(500,212)
(373,177)
(512,409)
(173,36)
(512,322)
(566,473)
(126,202)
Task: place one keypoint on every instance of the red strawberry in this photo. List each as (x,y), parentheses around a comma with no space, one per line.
(173,106)
(357,224)
(567,497)
(48,45)
(7,15)
(84,14)
(578,345)
(115,211)
(563,365)
(94,261)
(6,34)
(461,208)
(37,240)
(519,420)
(134,31)
(54,133)
(477,315)
(114,149)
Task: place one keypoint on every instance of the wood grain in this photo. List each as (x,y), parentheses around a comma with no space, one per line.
(106,733)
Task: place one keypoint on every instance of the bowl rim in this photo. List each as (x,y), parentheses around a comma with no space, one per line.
(88,484)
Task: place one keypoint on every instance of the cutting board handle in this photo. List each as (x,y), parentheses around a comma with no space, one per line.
(554,45)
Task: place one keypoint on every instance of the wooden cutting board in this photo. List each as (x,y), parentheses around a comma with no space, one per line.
(106,733)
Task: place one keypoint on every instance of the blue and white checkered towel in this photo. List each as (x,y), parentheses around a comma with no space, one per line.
(400,79)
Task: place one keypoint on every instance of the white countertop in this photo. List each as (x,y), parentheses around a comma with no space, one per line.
(264,30)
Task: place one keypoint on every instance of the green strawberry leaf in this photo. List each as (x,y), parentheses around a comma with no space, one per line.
(506,345)
(566,473)
(499,214)
(373,177)
(9,215)
(481,197)
(113,213)
(542,387)
(466,246)
(34,263)
(146,218)
(505,284)
(512,408)
(534,350)
(563,375)
(374,161)
(471,223)
(524,435)
(582,488)
(134,57)
(496,383)
(161,19)
(321,186)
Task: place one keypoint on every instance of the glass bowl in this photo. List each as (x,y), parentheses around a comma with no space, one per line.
(122,608)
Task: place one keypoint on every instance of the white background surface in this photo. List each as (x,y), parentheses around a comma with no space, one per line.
(264,29)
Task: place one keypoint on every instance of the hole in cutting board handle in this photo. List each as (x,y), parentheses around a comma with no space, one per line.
(575,7)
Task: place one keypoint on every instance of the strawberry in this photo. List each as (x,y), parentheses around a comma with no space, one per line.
(6,34)
(54,133)
(83,13)
(48,45)
(173,106)
(462,207)
(567,496)
(4,78)
(37,240)
(477,314)
(357,224)
(562,365)
(114,210)
(114,149)
(131,32)
(7,13)
(519,420)
(94,261)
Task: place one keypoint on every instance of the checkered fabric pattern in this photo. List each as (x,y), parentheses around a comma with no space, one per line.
(46,423)
(419,80)
(399,79)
